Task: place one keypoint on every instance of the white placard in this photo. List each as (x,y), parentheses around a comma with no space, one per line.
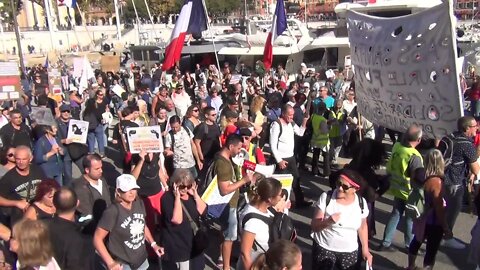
(3,96)
(9,69)
(118,90)
(8,88)
(144,138)
(77,131)
(405,70)
(42,116)
(14,95)
(215,201)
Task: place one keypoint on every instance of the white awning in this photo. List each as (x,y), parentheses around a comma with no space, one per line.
(256,51)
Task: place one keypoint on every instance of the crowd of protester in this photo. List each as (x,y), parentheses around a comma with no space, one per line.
(207,118)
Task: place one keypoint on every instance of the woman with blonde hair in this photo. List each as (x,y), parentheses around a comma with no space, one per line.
(282,255)
(143,119)
(256,108)
(31,242)
(432,225)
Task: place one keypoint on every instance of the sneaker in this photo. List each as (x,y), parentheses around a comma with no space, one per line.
(453,243)
(390,248)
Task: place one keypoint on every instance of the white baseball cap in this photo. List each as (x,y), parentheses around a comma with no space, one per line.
(127,182)
(303,65)
(306,85)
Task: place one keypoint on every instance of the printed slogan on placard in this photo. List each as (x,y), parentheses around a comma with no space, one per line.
(405,70)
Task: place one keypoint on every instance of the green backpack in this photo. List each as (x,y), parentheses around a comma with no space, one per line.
(415,206)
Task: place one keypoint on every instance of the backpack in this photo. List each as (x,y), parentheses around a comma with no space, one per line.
(449,142)
(415,205)
(280,226)
(329,198)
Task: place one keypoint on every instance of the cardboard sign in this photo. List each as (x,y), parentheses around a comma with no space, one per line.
(77,131)
(43,116)
(10,87)
(110,63)
(144,138)
(406,71)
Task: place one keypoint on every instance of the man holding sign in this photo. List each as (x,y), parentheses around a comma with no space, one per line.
(229,182)
(69,158)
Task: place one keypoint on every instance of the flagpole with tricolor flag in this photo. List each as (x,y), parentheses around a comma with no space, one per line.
(192,20)
(279,25)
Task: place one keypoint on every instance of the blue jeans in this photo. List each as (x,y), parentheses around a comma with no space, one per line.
(397,213)
(144,266)
(98,135)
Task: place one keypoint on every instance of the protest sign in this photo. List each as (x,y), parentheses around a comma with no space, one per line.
(9,81)
(405,70)
(55,81)
(110,63)
(118,90)
(42,116)
(77,131)
(144,138)
(77,66)
(215,201)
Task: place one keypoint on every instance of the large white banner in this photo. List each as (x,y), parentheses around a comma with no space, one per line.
(405,70)
(148,139)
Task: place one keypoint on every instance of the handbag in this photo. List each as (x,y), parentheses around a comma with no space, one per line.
(77,150)
(200,234)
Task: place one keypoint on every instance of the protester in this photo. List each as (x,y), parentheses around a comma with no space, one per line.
(7,160)
(229,182)
(125,248)
(19,184)
(31,242)
(16,132)
(72,250)
(282,150)
(255,232)
(94,108)
(48,154)
(42,207)
(432,225)
(338,222)
(464,159)
(92,191)
(181,206)
(402,165)
(281,255)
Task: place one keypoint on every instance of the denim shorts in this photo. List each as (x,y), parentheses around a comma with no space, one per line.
(229,223)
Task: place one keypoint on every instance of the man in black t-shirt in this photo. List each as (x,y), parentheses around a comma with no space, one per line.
(20,183)
(72,249)
(207,139)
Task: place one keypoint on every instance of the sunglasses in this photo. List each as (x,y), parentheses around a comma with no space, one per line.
(195,110)
(10,155)
(213,114)
(343,186)
(185,186)
(246,138)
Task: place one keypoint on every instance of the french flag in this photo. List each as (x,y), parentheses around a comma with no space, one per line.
(68,3)
(192,20)
(279,25)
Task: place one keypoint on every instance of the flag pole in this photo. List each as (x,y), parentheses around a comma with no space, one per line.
(151,20)
(84,22)
(138,21)
(50,23)
(213,40)
(72,22)
(117,20)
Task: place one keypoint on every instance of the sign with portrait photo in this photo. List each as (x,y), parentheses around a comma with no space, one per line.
(77,131)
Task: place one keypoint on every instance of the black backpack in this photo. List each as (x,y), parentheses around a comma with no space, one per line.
(329,198)
(280,226)
(447,145)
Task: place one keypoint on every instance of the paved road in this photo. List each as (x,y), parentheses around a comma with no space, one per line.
(313,186)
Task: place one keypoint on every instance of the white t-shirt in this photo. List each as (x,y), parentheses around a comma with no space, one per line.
(341,236)
(257,227)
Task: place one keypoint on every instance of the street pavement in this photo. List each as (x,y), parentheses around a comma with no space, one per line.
(447,259)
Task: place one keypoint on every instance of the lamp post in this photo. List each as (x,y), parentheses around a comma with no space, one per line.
(17,35)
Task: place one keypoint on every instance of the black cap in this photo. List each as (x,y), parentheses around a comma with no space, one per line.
(65,107)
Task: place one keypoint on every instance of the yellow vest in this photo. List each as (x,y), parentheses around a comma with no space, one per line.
(335,127)
(251,153)
(397,167)
(319,139)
